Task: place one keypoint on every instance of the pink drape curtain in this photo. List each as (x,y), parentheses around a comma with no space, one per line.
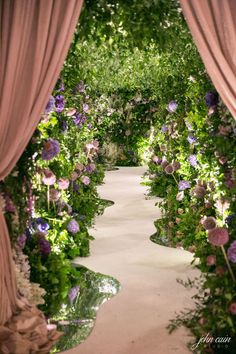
(213,27)
(34,40)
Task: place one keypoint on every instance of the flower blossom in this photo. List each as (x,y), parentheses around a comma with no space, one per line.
(184,185)
(73,226)
(231,253)
(172,106)
(48,177)
(218,236)
(85,180)
(51,149)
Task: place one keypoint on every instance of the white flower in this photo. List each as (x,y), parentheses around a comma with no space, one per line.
(180,196)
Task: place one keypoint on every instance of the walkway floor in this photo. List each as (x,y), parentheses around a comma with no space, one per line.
(135,320)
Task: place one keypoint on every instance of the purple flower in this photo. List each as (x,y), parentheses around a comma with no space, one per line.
(73,226)
(85,107)
(51,149)
(50,105)
(231,253)
(172,106)
(60,103)
(89,126)
(42,226)
(73,293)
(212,99)
(44,246)
(79,120)
(229,218)
(193,160)
(90,168)
(164,128)
(191,139)
(64,126)
(9,205)
(21,241)
(75,186)
(85,180)
(62,87)
(184,185)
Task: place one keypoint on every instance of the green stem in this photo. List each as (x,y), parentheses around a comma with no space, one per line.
(227,262)
(175,179)
(48,197)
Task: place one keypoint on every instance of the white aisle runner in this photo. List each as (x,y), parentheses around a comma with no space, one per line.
(135,320)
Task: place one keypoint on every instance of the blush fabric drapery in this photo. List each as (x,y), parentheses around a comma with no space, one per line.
(34,39)
(213,27)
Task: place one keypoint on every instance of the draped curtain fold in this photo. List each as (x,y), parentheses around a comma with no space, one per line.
(213,27)
(34,39)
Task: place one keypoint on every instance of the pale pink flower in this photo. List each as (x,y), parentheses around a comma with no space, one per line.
(211,260)
(48,177)
(85,180)
(63,183)
(71,112)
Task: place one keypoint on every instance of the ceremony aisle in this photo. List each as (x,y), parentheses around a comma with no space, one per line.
(135,320)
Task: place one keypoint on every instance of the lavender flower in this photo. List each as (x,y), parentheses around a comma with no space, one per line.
(62,87)
(64,126)
(9,205)
(51,149)
(42,225)
(90,168)
(212,99)
(80,119)
(73,226)
(191,139)
(172,106)
(85,107)
(44,246)
(60,103)
(193,160)
(231,253)
(73,293)
(22,240)
(85,180)
(50,105)
(184,185)
(164,128)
